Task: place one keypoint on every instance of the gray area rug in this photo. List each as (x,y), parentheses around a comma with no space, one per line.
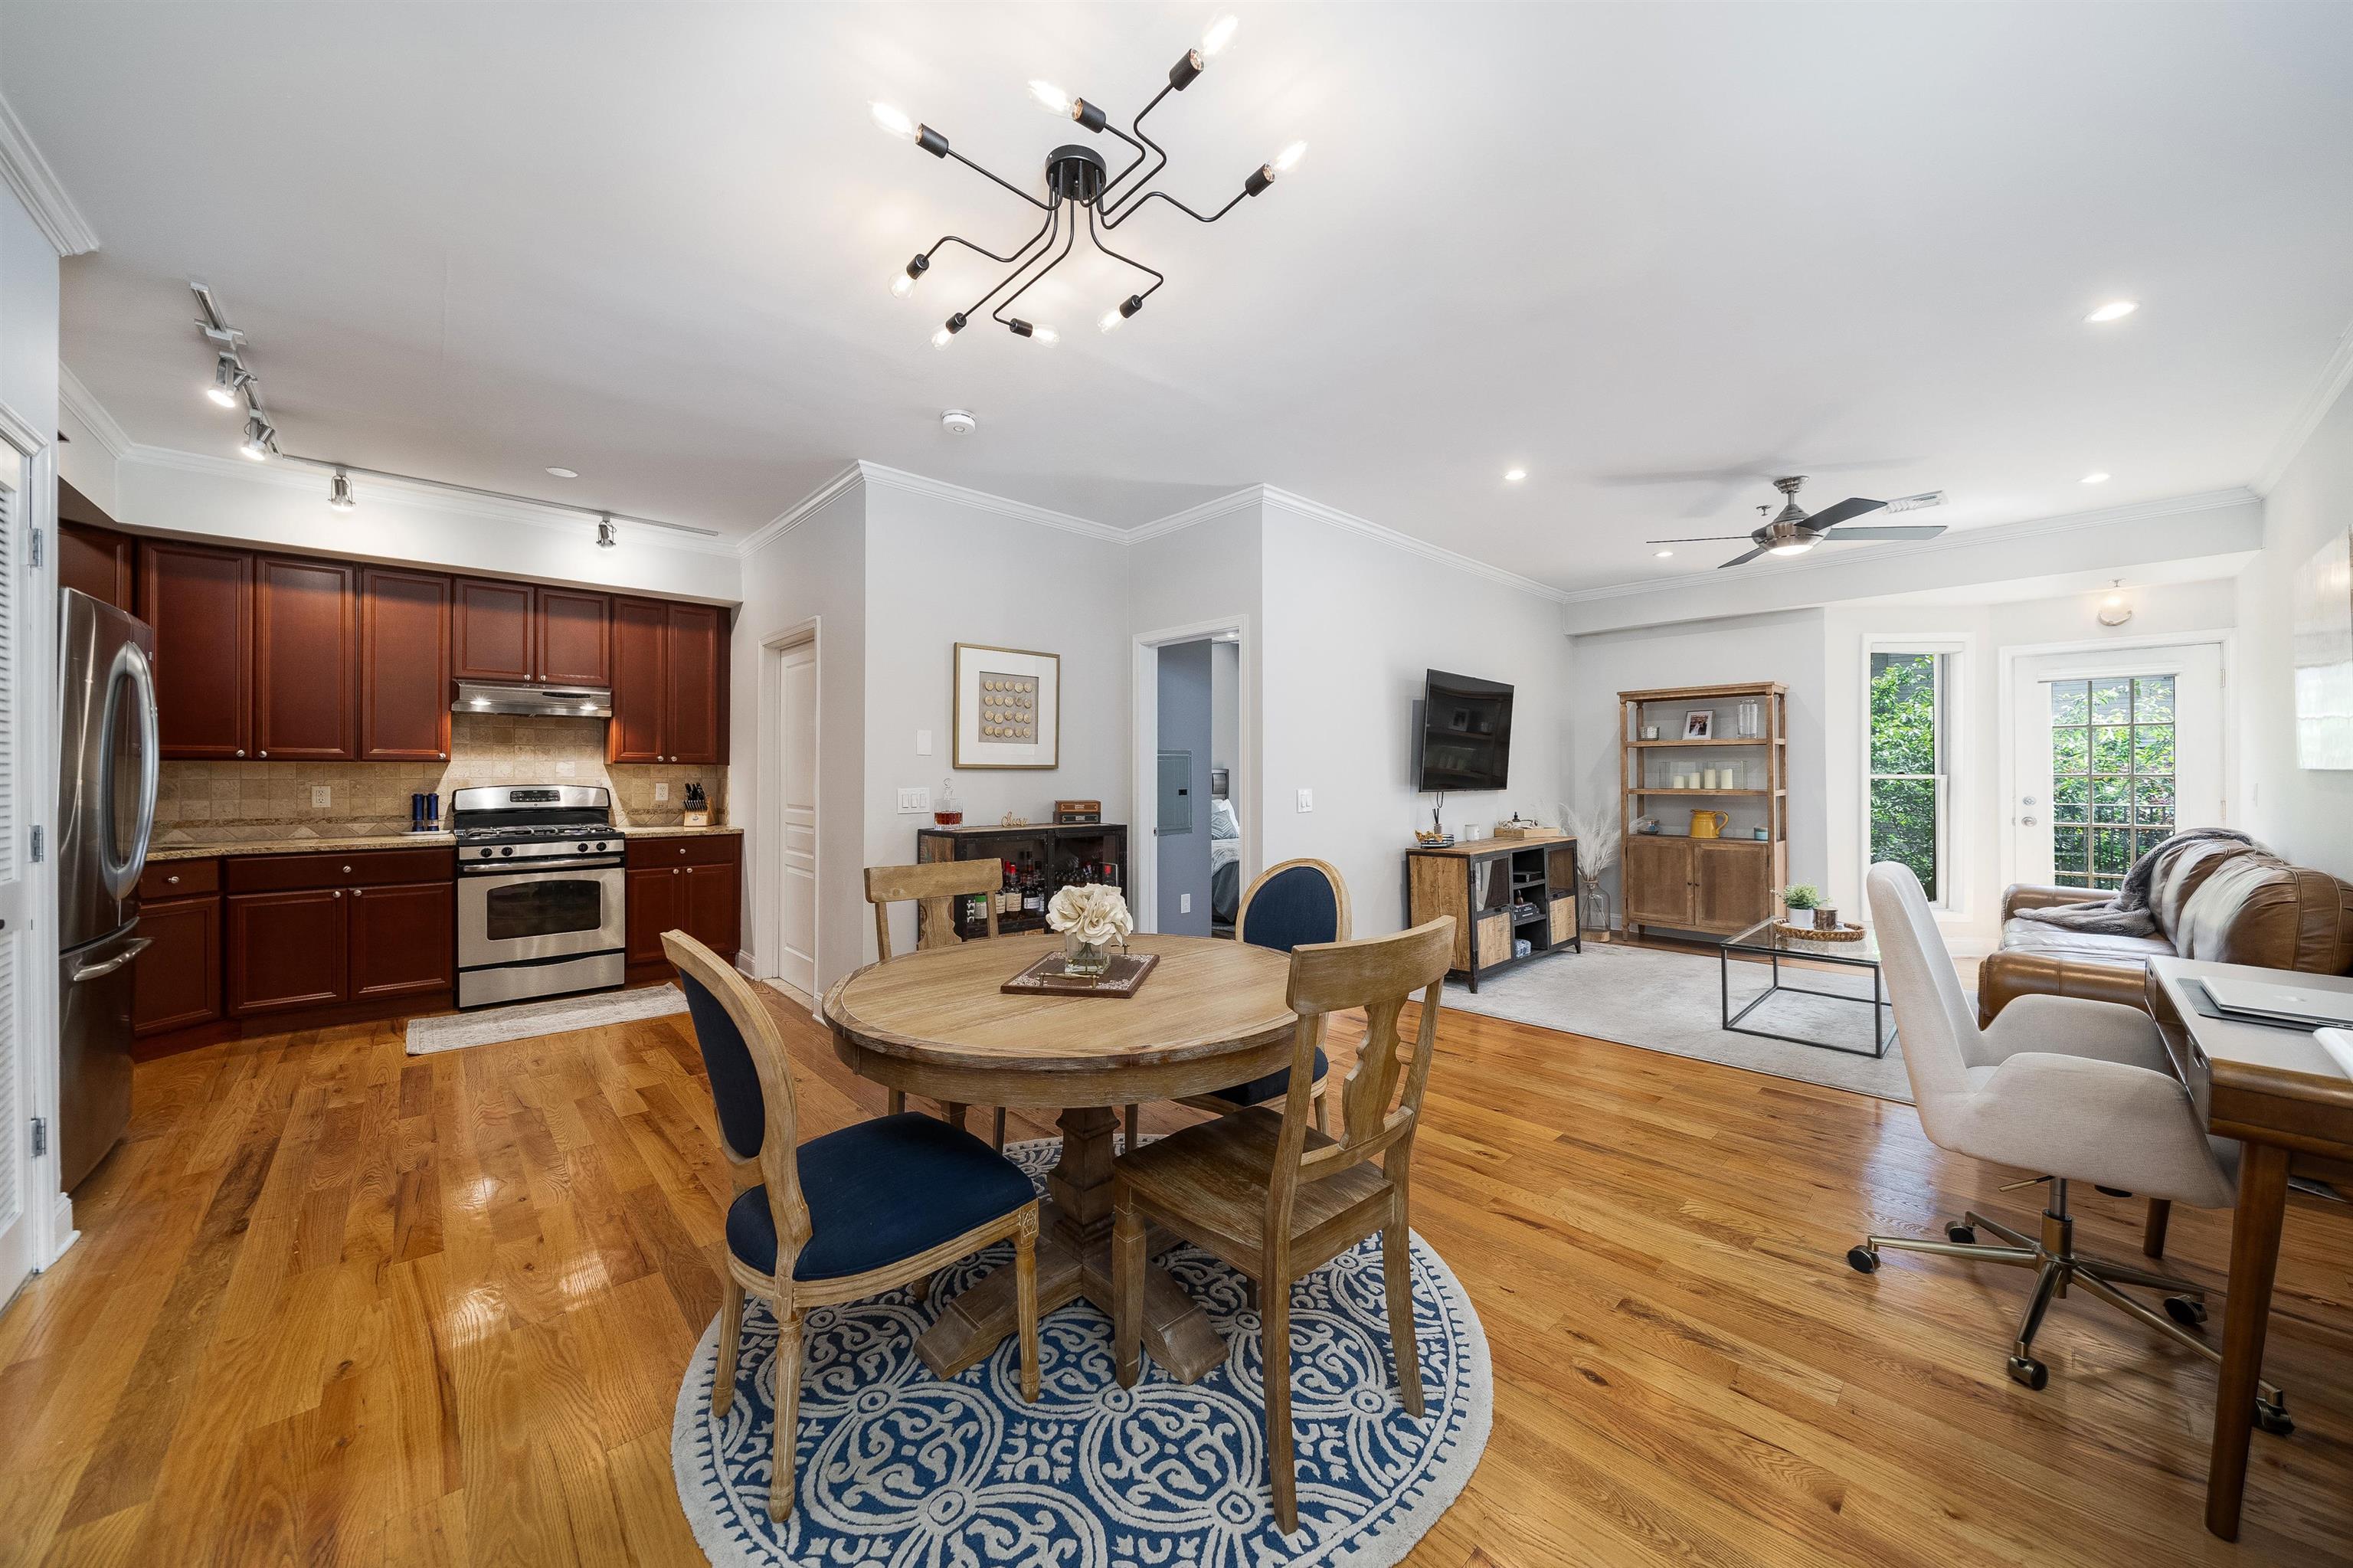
(528,1019)
(1662,1000)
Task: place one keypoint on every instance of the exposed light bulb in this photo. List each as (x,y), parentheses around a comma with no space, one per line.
(257,439)
(1220,34)
(1110,320)
(1287,159)
(893,120)
(2114,311)
(1046,335)
(903,285)
(339,492)
(229,379)
(1051,99)
(2100,478)
(1789,547)
(942,338)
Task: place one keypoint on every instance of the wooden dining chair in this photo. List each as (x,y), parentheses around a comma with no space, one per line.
(1276,1199)
(874,1207)
(933,887)
(1297,902)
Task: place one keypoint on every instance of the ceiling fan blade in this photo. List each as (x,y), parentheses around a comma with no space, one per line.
(1744,560)
(1698,539)
(1852,506)
(1909,531)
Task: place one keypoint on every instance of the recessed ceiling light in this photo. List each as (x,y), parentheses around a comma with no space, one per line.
(2114,311)
(2095,479)
(1662,554)
(565,472)
(1513,475)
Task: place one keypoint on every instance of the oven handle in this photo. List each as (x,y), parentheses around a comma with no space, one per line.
(557,868)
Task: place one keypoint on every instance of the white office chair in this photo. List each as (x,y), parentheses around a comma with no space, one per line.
(2080,1090)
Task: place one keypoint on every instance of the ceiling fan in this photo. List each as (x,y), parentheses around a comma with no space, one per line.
(1791,532)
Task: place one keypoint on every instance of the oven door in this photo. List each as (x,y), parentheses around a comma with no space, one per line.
(526,914)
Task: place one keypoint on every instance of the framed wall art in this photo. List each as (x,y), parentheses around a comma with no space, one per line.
(1008,707)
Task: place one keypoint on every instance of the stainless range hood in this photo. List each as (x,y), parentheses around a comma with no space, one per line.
(544,701)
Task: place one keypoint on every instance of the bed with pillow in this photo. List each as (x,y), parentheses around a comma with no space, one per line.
(1225,862)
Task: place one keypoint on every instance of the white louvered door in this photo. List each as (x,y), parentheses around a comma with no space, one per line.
(15,1106)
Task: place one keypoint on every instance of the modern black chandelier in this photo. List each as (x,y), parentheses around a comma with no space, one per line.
(1077,179)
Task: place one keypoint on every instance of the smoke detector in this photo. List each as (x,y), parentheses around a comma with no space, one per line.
(959,422)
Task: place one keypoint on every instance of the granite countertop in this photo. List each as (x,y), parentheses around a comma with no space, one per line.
(326,845)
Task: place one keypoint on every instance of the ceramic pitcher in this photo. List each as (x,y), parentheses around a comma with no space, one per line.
(1708,824)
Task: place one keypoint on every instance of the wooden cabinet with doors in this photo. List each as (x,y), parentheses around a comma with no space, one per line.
(404,675)
(175,982)
(99,562)
(199,600)
(1717,885)
(305,660)
(691,883)
(1701,765)
(404,940)
(669,683)
(286,950)
(512,632)
(306,932)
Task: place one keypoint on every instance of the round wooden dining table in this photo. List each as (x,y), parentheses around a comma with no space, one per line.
(1210,1014)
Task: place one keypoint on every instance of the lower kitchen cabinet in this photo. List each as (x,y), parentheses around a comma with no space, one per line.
(404,940)
(175,982)
(656,903)
(713,907)
(286,950)
(691,885)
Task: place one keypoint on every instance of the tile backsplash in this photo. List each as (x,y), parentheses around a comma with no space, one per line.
(233,802)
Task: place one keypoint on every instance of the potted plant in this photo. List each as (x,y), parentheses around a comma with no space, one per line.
(1804,902)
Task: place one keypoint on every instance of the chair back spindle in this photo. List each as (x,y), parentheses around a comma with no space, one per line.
(934,885)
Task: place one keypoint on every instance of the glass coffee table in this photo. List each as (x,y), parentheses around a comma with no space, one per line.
(1766,940)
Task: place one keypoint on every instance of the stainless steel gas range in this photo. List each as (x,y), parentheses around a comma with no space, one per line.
(540,891)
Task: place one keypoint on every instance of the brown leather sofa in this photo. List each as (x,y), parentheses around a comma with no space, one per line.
(2221,901)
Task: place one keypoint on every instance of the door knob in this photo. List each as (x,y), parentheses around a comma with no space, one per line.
(2025,822)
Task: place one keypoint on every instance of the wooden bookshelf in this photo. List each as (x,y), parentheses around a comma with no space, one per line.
(1670,880)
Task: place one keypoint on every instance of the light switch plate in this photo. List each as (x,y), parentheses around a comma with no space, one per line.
(922,742)
(322,794)
(1184,903)
(662,791)
(1307,800)
(916,799)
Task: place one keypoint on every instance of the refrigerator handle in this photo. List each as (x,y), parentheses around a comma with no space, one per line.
(93,972)
(132,663)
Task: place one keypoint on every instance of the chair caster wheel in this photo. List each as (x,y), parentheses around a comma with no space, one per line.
(1960,1235)
(1863,1260)
(2186,1310)
(2029,1372)
(2273,1418)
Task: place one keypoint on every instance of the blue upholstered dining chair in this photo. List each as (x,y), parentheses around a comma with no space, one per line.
(842,1217)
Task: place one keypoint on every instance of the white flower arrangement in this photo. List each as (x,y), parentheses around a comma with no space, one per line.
(1095,913)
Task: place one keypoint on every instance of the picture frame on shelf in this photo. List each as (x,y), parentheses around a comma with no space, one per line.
(1699,724)
(1008,707)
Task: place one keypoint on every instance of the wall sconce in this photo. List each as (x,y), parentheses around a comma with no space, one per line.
(2115,609)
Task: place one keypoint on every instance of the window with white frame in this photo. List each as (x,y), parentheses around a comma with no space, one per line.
(1909,764)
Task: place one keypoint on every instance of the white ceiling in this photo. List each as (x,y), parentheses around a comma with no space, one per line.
(1615,244)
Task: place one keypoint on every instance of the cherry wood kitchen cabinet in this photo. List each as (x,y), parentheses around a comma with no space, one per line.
(101,562)
(286,950)
(691,883)
(572,638)
(669,683)
(404,940)
(512,632)
(713,913)
(305,660)
(404,675)
(176,981)
(490,638)
(199,600)
(657,896)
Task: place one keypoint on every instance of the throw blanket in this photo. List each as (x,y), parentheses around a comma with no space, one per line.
(2128,914)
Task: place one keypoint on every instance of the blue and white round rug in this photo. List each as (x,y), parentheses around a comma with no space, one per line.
(897,1468)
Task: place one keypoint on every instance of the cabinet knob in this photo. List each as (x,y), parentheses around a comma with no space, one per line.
(347,870)
(676,871)
(240,751)
(265,753)
(174,880)
(442,755)
(339,893)
(356,892)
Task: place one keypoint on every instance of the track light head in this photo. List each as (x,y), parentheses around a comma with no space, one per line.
(605,539)
(228,381)
(260,439)
(339,492)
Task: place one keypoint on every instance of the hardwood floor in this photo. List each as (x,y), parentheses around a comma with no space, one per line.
(334,1305)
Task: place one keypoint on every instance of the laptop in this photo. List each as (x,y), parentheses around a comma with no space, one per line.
(2293,1005)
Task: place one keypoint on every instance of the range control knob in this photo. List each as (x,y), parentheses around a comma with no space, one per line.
(600,846)
(582,848)
(508,849)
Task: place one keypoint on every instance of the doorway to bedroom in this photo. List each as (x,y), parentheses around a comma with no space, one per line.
(1196,829)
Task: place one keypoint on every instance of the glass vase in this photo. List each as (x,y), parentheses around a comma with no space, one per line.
(1084,959)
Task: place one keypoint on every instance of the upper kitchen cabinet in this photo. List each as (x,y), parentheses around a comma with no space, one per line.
(509,631)
(404,666)
(200,602)
(669,683)
(92,554)
(305,660)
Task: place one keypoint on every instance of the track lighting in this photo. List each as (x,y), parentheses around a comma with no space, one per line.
(260,440)
(604,538)
(1080,183)
(228,381)
(339,492)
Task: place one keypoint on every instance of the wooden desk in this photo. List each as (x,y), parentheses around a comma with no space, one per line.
(2284,1098)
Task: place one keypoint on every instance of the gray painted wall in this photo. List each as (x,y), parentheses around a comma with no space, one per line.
(1184,858)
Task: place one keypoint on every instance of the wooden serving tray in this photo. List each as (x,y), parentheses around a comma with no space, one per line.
(1045,978)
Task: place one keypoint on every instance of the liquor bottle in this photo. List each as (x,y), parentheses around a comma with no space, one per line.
(1009,897)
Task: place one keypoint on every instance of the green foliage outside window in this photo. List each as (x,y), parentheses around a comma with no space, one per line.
(1904,741)
(2112,766)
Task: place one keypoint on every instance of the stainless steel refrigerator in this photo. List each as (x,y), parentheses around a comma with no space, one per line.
(107,756)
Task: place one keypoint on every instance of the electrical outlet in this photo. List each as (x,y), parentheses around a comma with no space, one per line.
(1307,800)
(922,742)
(662,791)
(1184,903)
(322,795)
(567,769)
(916,799)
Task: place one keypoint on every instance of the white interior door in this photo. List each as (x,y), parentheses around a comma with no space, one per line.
(796,824)
(2114,751)
(16,1107)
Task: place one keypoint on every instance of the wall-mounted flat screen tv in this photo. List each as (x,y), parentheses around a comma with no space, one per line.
(1466,734)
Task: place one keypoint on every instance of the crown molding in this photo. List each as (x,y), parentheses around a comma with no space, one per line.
(80,402)
(37,186)
(982,501)
(2334,379)
(1953,539)
(1315,511)
(801,510)
(1241,500)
